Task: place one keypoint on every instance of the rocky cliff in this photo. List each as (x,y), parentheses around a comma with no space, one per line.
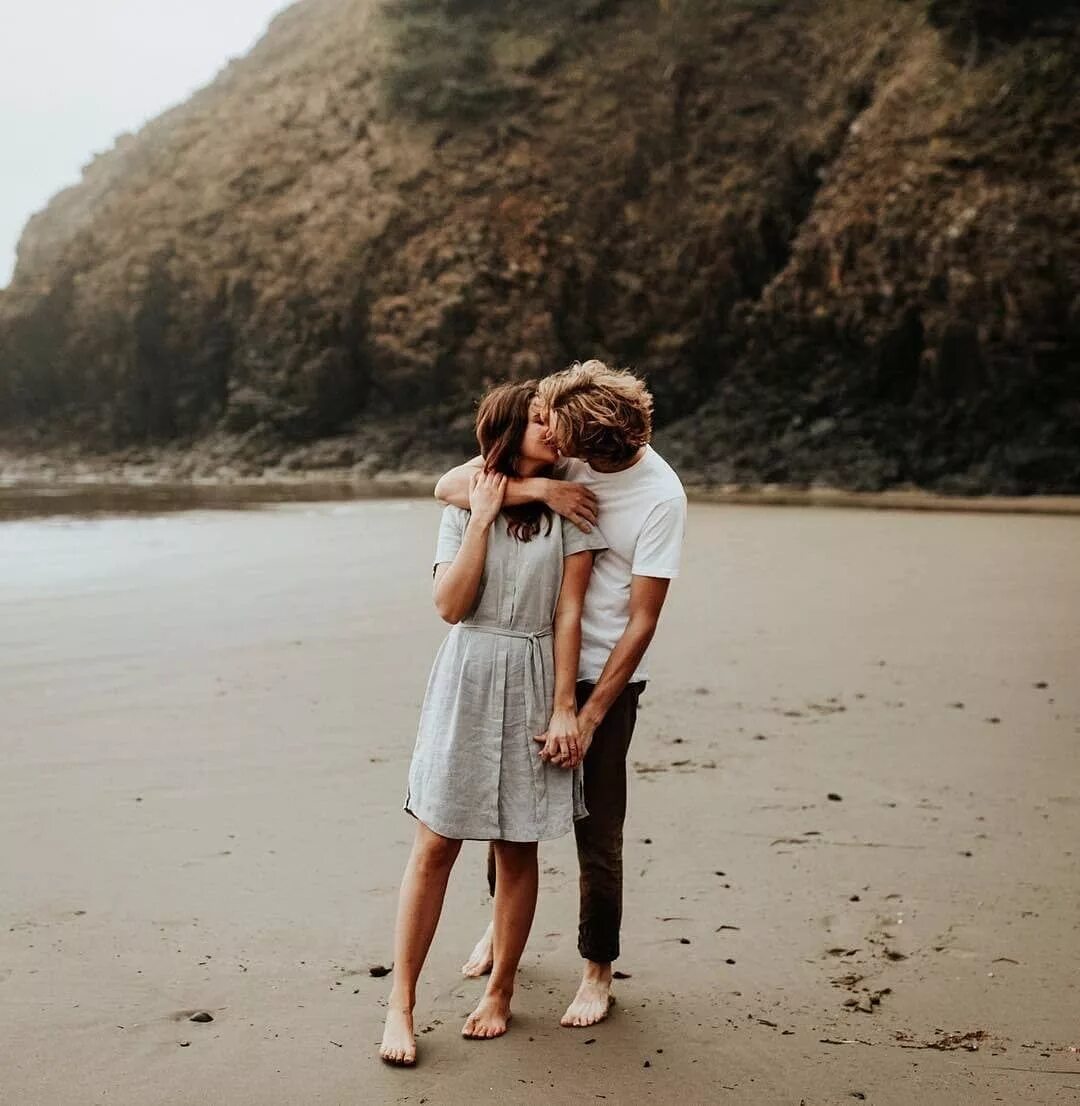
(840,237)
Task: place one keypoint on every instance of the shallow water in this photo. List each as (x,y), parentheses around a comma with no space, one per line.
(87,500)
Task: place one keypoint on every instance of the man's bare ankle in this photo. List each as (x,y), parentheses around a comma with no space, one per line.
(594,972)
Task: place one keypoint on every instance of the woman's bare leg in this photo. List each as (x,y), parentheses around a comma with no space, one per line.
(423,888)
(515,904)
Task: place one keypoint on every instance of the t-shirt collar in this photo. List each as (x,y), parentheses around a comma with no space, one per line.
(621,472)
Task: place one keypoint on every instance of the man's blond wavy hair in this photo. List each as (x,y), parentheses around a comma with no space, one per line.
(600,413)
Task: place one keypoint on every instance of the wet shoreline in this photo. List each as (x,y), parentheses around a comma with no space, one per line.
(33,500)
(96,495)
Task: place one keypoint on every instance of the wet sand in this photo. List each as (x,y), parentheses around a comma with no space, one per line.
(205,723)
(135,490)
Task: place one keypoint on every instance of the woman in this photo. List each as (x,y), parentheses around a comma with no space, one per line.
(499,716)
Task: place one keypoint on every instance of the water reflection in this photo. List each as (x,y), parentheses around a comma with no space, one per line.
(28,501)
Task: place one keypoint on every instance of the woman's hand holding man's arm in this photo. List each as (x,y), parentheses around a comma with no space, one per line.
(457,583)
(573,501)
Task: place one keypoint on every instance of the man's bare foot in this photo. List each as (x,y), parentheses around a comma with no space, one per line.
(593,1000)
(481,958)
(398,1042)
(490,1018)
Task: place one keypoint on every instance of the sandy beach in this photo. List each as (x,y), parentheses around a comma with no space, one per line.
(853,853)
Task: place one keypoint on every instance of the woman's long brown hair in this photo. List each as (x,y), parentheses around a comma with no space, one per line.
(501,423)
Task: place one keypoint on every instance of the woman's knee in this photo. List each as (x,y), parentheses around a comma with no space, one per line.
(433,850)
(513,856)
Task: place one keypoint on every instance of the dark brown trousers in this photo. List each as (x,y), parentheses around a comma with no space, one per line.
(600,836)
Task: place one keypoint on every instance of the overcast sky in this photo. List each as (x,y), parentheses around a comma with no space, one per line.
(76,73)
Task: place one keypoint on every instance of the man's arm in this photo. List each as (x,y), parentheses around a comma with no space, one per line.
(453,486)
(573,501)
(647,595)
(561,738)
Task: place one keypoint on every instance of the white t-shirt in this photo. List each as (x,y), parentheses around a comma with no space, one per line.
(643,518)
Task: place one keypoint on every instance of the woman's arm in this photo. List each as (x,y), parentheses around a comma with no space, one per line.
(561,743)
(573,501)
(457,583)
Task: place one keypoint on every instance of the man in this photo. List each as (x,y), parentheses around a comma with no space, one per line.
(600,420)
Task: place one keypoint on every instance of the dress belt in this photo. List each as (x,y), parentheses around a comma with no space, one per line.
(536,701)
(502,631)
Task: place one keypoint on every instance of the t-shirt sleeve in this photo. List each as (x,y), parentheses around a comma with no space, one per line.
(574,541)
(659,545)
(451,534)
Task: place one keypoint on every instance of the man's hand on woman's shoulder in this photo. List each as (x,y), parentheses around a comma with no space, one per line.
(574,502)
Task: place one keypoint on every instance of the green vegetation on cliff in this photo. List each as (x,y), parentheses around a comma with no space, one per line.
(840,237)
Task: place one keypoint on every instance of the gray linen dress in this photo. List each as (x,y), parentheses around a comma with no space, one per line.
(476,771)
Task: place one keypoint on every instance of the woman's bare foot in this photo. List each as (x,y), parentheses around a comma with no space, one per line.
(593,999)
(490,1018)
(481,958)
(398,1042)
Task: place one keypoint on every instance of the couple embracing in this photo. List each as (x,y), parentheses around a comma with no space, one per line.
(553,561)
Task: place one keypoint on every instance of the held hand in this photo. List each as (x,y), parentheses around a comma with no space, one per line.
(562,746)
(486,493)
(558,751)
(586,730)
(574,502)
